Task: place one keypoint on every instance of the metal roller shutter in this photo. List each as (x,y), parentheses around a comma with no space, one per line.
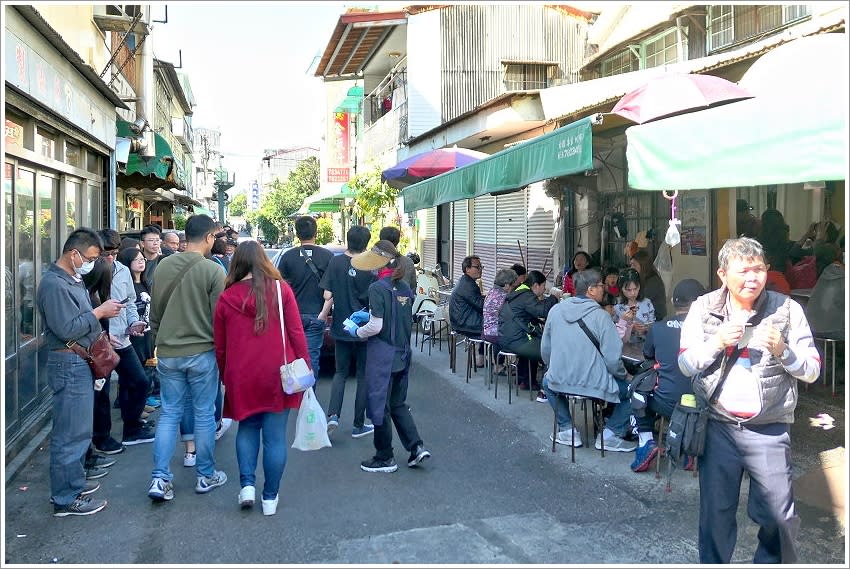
(510,228)
(429,242)
(460,221)
(540,231)
(484,236)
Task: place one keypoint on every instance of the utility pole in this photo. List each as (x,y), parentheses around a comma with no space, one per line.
(222,184)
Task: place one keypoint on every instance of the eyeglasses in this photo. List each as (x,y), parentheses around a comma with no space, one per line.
(110,253)
(87,259)
(475,267)
(596,285)
(220,234)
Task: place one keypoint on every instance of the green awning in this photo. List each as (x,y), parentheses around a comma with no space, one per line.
(198,210)
(328,201)
(760,141)
(154,172)
(567,150)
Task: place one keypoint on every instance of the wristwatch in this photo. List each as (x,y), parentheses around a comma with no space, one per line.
(786,353)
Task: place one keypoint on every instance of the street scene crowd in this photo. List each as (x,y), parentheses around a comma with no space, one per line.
(203,324)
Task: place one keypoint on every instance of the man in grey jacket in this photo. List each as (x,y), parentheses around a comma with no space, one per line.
(67,316)
(576,366)
(132,380)
(758,344)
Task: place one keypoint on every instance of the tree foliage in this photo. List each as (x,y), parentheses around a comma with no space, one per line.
(374,200)
(179,222)
(238,205)
(324,231)
(285,199)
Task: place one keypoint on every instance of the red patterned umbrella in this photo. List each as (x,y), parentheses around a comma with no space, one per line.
(429,164)
(677,93)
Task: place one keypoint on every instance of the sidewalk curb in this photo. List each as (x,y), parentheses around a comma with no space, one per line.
(23,457)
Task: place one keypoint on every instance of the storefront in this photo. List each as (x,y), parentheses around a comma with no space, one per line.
(59,139)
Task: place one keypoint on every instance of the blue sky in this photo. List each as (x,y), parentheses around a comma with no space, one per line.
(247,64)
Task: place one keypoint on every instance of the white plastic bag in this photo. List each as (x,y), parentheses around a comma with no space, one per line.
(664,265)
(311,426)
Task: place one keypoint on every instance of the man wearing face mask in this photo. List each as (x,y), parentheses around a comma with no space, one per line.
(67,316)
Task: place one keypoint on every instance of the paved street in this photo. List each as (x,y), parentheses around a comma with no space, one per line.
(492,493)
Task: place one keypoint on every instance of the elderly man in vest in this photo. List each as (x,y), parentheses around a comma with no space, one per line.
(754,344)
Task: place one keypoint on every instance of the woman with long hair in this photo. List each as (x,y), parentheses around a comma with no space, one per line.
(387,327)
(133,259)
(651,285)
(581,261)
(249,348)
(633,312)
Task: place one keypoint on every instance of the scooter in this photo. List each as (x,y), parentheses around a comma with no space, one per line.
(428,285)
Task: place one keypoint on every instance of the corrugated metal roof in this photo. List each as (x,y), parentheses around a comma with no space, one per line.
(570,100)
(35,19)
(356,37)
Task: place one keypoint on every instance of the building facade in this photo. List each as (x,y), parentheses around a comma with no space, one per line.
(59,171)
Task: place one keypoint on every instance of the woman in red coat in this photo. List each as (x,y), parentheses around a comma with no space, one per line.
(249,350)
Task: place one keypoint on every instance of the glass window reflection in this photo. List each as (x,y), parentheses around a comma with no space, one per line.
(9,268)
(25,220)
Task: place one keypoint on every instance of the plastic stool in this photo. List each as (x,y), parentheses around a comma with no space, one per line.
(510,359)
(471,353)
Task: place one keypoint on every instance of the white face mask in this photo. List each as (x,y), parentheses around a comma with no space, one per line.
(85,268)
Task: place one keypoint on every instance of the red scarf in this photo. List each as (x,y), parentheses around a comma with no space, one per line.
(385,272)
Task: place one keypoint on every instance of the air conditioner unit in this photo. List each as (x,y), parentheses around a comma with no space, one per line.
(182,131)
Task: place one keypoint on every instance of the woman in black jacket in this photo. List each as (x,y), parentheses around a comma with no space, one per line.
(521,327)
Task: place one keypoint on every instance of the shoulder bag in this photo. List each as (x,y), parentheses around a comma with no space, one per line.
(294,376)
(101,356)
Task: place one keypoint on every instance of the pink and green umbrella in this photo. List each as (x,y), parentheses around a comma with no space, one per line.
(429,164)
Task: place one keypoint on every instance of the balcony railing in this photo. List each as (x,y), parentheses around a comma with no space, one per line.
(387,133)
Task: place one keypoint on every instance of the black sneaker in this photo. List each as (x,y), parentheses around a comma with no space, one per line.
(109,446)
(417,455)
(143,435)
(95,473)
(97,461)
(82,506)
(376,465)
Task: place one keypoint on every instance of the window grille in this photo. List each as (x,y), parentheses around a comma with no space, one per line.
(623,62)
(528,76)
(661,50)
(721,26)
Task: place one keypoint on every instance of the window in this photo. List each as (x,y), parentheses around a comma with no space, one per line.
(527,76)
(661,50)
(623,62)
(46,143)
(729,25)
(14,132)
(93,163)
(72,203)
(72,155)
(720,27)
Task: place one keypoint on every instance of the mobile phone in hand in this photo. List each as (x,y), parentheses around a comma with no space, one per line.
(125,301)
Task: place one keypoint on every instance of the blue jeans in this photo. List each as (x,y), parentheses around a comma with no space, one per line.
(71,380)
(273,428)
(179,378)
(618,422)
(314,332)
(187,423)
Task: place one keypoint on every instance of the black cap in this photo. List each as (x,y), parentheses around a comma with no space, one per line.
(686,291)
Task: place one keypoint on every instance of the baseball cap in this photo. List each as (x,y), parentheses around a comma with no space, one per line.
(742,205)
(686,291)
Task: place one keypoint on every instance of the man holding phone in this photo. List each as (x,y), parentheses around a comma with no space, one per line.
(133,382)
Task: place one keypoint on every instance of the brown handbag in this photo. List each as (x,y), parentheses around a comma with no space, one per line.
(101,356)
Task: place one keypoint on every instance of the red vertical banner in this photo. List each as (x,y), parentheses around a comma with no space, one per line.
(341,138)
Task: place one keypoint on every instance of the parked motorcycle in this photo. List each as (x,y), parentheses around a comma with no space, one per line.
(426,305)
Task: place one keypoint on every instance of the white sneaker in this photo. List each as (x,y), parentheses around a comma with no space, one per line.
(222,428)
(566,438)
(246,497)
(615,444)
(270,506)
(189,459)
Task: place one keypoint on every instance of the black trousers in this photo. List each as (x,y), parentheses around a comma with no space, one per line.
(397,410)
(765,452)
(344,353)
(133,389)
(655,406)
(102,416)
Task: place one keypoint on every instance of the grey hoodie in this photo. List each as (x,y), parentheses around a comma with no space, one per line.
(122,287)
(573,364)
